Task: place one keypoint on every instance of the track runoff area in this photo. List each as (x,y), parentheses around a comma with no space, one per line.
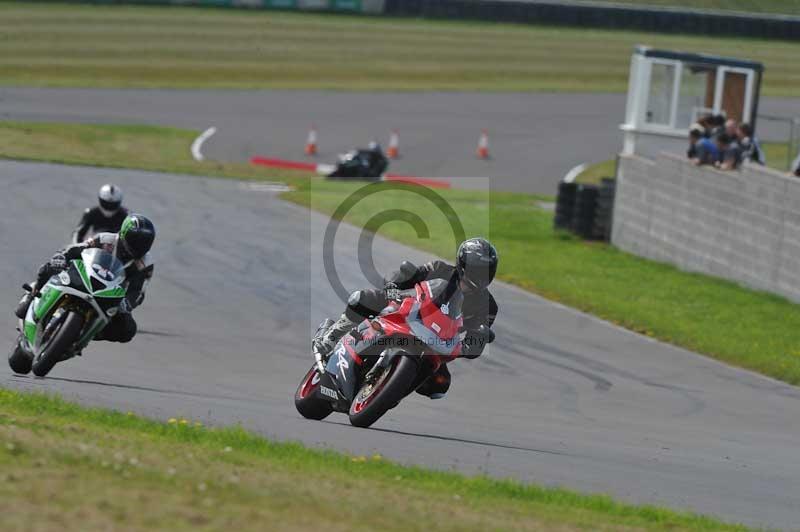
(580,403)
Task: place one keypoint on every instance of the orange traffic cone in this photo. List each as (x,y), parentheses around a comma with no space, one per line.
(483,145)
(393,151)
(311,142)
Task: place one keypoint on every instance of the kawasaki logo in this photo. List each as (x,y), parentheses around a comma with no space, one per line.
(328,392)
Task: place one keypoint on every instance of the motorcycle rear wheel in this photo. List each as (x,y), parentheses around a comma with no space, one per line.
(62,339)
(306,401)
(373,400)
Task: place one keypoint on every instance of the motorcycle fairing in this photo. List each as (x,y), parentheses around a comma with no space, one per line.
(342,368)
(436,327)
(97,278)
(418,326)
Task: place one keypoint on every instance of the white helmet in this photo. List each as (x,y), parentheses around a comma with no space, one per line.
(110,197)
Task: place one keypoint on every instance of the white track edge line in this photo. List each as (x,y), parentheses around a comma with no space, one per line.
(198,143)
(575,172)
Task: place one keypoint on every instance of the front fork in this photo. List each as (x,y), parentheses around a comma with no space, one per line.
(320,360)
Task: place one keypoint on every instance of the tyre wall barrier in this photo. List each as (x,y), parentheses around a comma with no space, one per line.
(585,209)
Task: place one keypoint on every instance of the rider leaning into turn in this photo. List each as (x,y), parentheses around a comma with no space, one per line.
(476,265)
(106,217)
(131,246)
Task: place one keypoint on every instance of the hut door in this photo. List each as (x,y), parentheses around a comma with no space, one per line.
(734,93)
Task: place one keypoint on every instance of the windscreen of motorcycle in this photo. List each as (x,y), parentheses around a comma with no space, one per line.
(104,269)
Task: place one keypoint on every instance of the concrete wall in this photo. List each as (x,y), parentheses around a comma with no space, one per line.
(743,225)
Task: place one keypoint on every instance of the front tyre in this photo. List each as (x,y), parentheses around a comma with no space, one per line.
(307,402)
(67,333)
(373,400)
(20,360)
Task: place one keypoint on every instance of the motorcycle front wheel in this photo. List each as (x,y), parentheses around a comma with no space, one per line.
(67,333)
(373,400)
(307,402)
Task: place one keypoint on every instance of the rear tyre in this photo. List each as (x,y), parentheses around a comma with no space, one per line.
(306,401)
(62,339)
(373,401)
(19,360)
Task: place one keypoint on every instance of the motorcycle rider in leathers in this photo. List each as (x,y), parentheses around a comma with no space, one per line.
(131,246)
(105,217)
(476,265)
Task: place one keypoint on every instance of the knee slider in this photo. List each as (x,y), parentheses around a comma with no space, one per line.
(355,309)
(365,303)
(129,332)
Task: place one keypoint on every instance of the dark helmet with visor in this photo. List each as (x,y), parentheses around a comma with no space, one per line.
(136,235)
(476,263)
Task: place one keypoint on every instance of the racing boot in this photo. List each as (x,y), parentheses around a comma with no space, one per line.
(72,354)
(437,385)
(22,307)
(324,342)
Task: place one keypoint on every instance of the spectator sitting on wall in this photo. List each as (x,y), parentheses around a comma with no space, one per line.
(751,147)
(705,150)
(695,131)
(731,128)
(729,153)
(714,124)
(705,123)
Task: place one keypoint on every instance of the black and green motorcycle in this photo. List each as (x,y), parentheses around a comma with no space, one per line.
(68,312)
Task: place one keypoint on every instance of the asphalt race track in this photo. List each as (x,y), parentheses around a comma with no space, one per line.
(535,138)
(560,399)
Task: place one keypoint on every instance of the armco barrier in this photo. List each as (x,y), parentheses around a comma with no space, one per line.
(362,6)
(741,225)
(565,13)
(604,15)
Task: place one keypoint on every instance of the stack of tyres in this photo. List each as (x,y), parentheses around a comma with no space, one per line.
(604,210)
(583,215)
(565,205)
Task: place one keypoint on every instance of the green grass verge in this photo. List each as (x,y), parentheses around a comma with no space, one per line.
(122,46)
(595,172)
(144,147)
(694,311)
(66,467)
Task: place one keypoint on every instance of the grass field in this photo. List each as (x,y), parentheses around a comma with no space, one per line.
(784,7)
(122,46)
(691,310)
(83,469)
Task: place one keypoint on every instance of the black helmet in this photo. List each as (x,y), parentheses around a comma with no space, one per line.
(476,262)
(110,198)
(136,235)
